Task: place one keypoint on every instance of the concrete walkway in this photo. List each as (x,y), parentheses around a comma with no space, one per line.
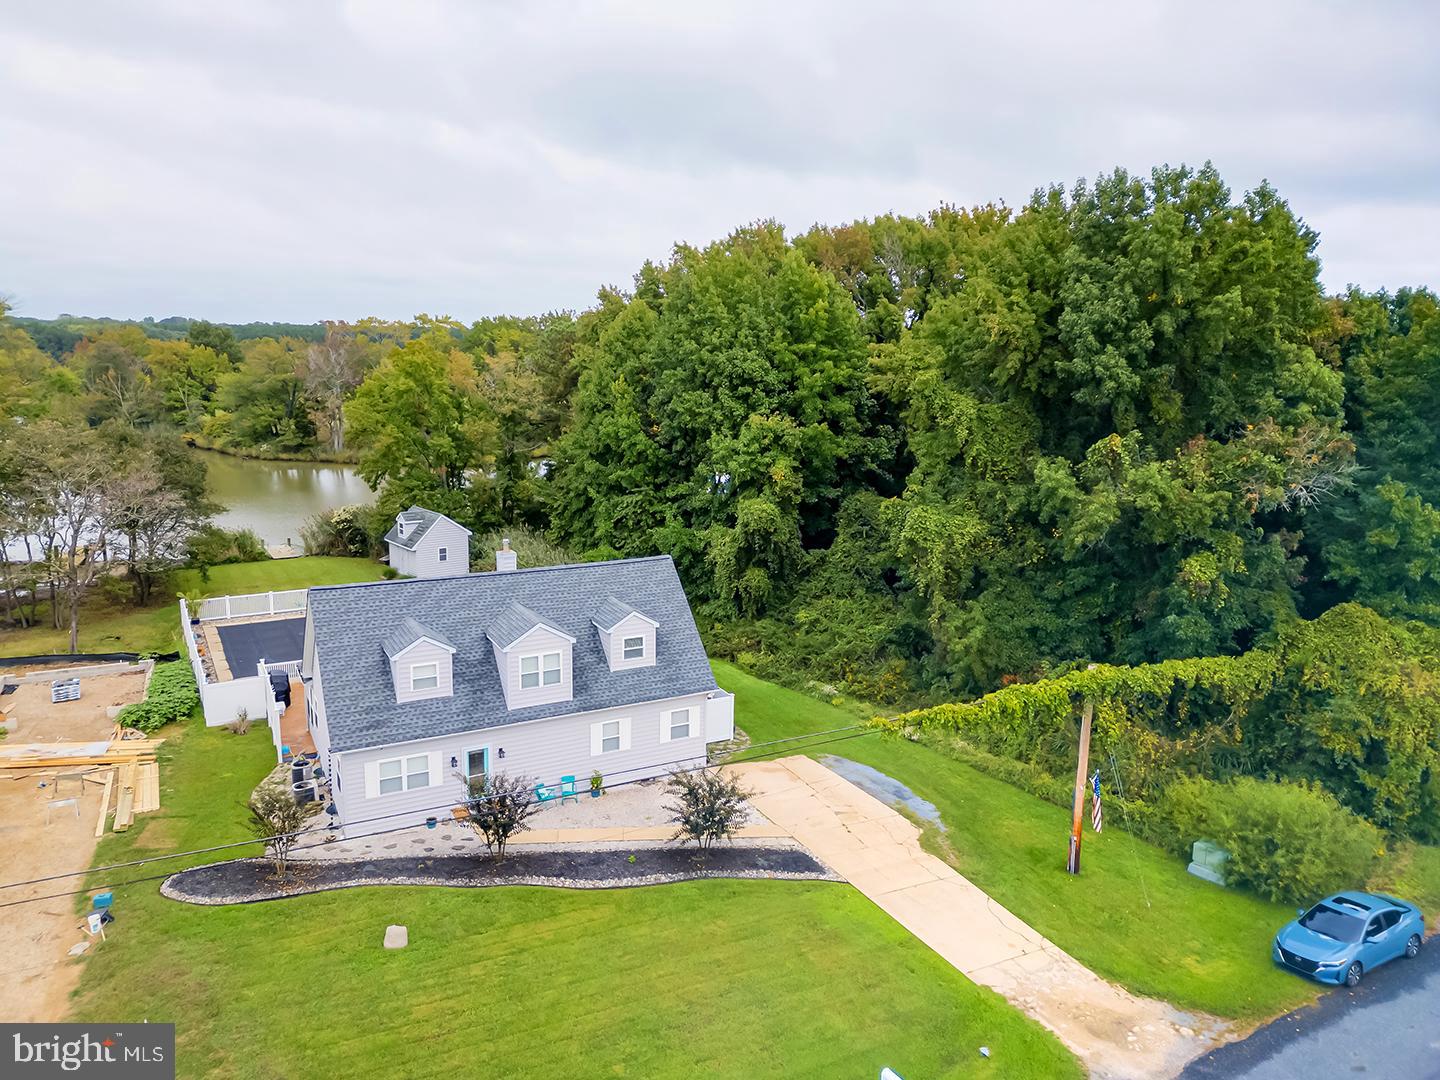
(878,851)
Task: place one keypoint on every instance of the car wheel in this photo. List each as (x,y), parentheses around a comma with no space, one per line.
(1412,947)
(1352,977)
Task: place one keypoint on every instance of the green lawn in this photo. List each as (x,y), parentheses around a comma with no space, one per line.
(107,625)
(717,978)
(1133,915)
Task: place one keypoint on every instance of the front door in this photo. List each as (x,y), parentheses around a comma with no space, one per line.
(477,764)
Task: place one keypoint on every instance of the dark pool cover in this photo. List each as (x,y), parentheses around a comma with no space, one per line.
(246,644)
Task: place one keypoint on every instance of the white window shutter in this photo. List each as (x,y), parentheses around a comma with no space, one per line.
(664,725)
(625,734)
(597,739)
(372,779)
(433,765)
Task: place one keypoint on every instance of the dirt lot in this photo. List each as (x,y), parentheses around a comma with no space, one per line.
(37,976)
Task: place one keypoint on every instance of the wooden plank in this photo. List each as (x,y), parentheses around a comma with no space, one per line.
(105,802)
(147,789)
(125,807)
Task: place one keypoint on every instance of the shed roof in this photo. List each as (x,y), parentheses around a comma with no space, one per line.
(421,521)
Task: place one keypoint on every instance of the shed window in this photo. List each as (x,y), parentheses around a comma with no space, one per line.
(424,676)
(542,669)
(404,774)
(634,648)
(444,554)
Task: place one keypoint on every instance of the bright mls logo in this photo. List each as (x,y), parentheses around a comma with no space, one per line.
(113,1051)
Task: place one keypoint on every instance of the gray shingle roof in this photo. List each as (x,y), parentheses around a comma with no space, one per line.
(515,622)
(422,520)
(407,633)
(351,622)
(610,611)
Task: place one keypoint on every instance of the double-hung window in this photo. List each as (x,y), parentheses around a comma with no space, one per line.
(444,554)
(680,724)
(424,676)
(404,774)
(542,669)
(609,736)
(634,648)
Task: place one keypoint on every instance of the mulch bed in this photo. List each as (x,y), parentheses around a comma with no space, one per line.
(247,881)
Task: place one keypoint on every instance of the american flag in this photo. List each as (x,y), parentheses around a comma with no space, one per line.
(1095,816)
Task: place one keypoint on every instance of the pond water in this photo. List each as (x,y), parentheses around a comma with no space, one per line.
(274,498)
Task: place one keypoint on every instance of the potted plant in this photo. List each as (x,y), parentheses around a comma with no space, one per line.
(597,784)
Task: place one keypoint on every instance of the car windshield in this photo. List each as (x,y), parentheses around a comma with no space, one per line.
(1333,924)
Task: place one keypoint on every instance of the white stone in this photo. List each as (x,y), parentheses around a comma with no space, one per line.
(396,937)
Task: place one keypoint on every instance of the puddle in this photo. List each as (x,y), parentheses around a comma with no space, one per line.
(887,790)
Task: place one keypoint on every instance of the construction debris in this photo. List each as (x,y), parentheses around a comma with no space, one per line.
(133,774)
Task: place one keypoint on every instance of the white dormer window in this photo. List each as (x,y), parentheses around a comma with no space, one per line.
(634,648)
(424,676)
(444,554)
(541,669)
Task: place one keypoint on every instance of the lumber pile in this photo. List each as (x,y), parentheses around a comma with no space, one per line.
(129,765)
(65,755)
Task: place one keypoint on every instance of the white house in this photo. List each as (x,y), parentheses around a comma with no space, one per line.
(548,673)
(425,544)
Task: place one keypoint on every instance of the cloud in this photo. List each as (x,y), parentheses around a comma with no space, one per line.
(267,160)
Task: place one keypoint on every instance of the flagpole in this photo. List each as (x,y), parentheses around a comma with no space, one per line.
(1072,865)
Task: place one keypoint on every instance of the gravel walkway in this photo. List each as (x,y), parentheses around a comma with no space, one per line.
(244,881)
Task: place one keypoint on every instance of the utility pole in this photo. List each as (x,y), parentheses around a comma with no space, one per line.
(1072,864)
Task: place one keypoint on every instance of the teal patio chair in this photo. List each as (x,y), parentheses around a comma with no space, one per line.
(568,791)
(546,793)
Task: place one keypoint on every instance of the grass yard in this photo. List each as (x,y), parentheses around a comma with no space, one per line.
(1194,944)
(109,625)
(722,978)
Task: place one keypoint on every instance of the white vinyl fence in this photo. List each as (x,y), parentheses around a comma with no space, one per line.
(265,603)
(222,701)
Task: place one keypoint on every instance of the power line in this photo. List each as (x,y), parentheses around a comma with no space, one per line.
(397,813)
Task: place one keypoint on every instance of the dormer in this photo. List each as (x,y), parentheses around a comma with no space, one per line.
(627,636)
(422,662)
(534,658)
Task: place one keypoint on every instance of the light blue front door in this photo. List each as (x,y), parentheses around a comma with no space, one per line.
(477,763)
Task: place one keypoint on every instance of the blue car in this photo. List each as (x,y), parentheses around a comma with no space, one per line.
(1345,936)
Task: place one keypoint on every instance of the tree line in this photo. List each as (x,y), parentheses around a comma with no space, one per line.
(913,456)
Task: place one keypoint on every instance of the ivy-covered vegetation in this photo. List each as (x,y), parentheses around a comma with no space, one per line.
(172,697)
(1348,701)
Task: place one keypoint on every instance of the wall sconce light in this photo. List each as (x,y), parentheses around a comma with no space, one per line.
(454,762)
(502,753)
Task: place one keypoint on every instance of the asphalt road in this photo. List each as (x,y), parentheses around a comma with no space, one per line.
(1388,1026)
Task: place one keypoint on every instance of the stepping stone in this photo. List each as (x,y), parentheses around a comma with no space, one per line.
(391,847)
(396,937)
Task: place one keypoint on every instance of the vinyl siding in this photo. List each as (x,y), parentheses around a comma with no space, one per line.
(422,652)
(614,643)
(425,559)
(539,640)
(541,750)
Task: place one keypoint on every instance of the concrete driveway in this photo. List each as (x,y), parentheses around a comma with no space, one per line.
(1385,1027)
(1115,1033)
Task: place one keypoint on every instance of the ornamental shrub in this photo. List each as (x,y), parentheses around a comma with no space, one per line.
(173,696)
(1289,842)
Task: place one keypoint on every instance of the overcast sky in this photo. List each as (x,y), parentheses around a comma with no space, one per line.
(272,159)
